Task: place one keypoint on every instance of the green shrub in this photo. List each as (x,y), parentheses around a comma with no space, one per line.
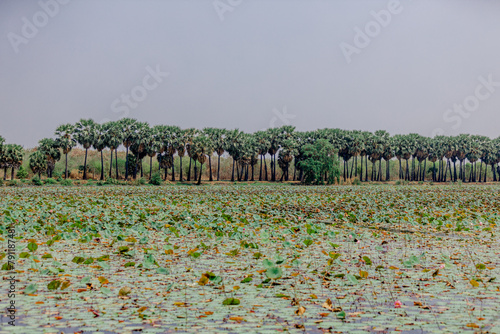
(66,182)
(140,182)
(57,174)
(50,181)
(100,183)
(111,181)
(356,182)
(22,173)
(36,181)
(156,179)
(13,183)
(319,160)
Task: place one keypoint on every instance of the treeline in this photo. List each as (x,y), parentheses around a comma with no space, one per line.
(258,155)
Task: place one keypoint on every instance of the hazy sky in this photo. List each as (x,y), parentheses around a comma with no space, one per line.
(410,66)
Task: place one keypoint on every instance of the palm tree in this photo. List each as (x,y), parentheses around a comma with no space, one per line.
(66,142)
(216,137)
(388,154)
(50,148)
(138,147)
(232,146)
(180,146)
(263,146)
(273,137)
(152,145)
(113,139)
(200,147)
(12,157)
(188,137)
(99,142)
(84,131)
(128,127)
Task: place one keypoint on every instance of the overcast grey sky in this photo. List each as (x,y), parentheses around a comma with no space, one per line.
(251,64)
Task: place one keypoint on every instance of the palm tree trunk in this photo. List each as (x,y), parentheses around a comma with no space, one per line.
(232,173)
(356,166)
(352,167)
(252,179)
(126,164)
(265,169)
(116,163)
(218,168)
(210,167)
(423,172)
(5,173)
(85,165)
(387,176)
(380,169)
(195,170)
(102,167)
(260,173)
(366,169)
(180,167)
(111,163)
(189,170)
(343,172)
(480,171)
(361,174)
(173,167)
(66,167)
(12,174)
(150,167)
(201,166)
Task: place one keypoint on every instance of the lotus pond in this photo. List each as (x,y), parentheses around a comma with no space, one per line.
(256,258)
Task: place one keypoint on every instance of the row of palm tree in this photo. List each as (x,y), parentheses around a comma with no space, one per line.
(283,145)
(11,156)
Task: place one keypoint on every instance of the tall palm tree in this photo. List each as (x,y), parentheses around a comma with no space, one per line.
(99,142)
(113,138)
(128,127)
(180,146)
(263,146)
(66,142)
(216,137)
(84,131)
(12,157)
(138,148)
(200,147)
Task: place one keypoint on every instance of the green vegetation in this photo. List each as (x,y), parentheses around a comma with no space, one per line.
(230,258)
(189,155)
